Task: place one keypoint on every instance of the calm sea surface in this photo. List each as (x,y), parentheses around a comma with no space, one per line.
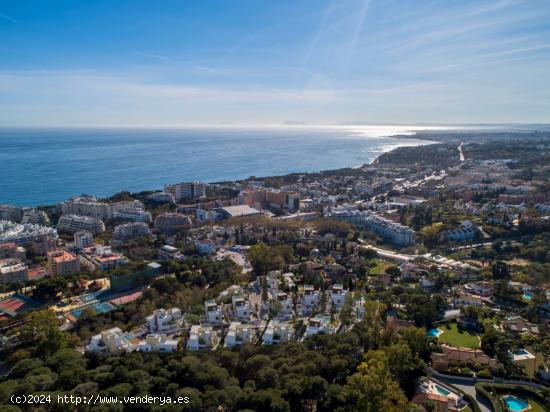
(45,166)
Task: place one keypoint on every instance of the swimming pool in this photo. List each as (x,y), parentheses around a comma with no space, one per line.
(528,295)
(515,404)
(442,391)
(434,333)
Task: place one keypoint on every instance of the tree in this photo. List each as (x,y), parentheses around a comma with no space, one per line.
(372,388)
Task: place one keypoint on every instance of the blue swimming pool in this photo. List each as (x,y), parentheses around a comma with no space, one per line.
(434,333)
(515,404)
(528,295)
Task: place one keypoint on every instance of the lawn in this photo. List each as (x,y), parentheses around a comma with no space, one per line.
(379,268)
(455,337)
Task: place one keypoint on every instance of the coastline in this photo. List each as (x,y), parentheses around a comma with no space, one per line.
(357,145)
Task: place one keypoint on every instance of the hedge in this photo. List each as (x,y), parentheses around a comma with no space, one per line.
(527,391)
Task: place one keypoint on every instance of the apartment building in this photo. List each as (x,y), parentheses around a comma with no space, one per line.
(391,231)
(11,250)
(130,231)
(187,190)
(11,213)
(213,312)
(35,217)
(86,206)
(162,197)
(13,270)
(167,252)
(39,239)
(238,335)
(165,321)
(133,215)
(63,263)
(75,223)
(83,239)
(172,222)
(98,257)
(273,199)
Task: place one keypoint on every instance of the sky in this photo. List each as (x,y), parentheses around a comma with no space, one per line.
(170,63)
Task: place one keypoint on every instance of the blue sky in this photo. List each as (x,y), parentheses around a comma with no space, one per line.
(145,63)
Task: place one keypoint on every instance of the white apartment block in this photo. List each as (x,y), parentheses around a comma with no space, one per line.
(241,309)
(238,335)
(187,190)
(276,332)
(86,206)
(202,338)
(319,324)
(162,197)
(26,235)
(35,217)
(98,257)
(75,223)
(165,321)
(337,296)
(83,239)
(130,231)
(385,228)
(133,215)
(11,213)
(213,313)
(168,252)
(13,270)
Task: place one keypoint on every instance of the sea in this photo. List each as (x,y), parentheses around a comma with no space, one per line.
(46,166)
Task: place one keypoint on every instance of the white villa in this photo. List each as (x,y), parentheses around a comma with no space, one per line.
(202,338)
(275,333)
(238,335)
(165,321)
(213,312)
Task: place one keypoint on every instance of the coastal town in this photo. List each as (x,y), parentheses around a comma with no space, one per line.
(431,265)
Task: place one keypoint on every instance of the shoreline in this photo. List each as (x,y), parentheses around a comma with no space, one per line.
(396,137)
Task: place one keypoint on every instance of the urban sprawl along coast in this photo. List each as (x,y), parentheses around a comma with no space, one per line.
(430,265)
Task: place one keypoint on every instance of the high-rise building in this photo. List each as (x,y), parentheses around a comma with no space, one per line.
(187,190)
(63,263)
(83,239)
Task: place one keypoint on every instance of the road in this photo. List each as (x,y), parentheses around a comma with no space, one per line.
(460,152)
(469,388)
